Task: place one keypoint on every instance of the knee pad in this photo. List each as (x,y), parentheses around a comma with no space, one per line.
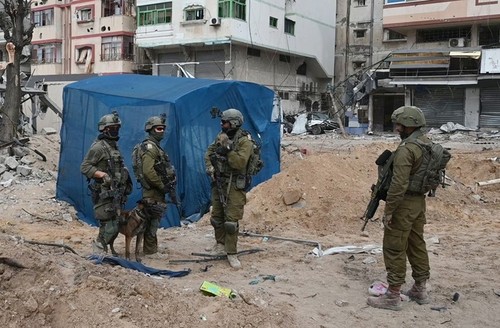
(231,227)
(215,223)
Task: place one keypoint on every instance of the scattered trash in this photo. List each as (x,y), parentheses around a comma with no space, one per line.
(210,288)
(371,249)
(456,296)
(203,317)
(378,288)
(369,260)
(341,303)
(263,278)
(439,308)
(496,292)
(432,240)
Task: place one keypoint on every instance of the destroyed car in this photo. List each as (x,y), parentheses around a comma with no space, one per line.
(318,123)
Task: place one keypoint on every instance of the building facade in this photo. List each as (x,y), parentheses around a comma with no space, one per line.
(440,55)
(285,45)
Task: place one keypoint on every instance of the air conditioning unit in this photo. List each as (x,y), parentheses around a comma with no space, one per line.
(215,21)
(456,43)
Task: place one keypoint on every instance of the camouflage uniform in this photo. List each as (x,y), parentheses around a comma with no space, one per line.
(104,156)
(406,236)
(153,195)
(233,170)
(156,175)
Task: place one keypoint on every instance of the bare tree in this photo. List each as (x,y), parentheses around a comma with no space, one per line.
(18,29)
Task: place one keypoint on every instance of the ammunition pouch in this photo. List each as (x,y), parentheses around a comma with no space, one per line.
(241,182)
(154,209)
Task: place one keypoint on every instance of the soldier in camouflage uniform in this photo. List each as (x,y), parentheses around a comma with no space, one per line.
(157,177)
(226,161)
(109,180)
(404,215)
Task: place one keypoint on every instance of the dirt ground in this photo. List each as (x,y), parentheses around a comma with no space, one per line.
(284,285)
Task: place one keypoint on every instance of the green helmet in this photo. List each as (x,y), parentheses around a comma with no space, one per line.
(109,120)
(234,117)
(409,116)
(154,121)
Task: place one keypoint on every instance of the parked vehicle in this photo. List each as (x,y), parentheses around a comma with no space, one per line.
(318,123)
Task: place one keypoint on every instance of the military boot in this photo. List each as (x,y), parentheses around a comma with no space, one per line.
(233,261)
(391,300)
(418,293)
(217,250)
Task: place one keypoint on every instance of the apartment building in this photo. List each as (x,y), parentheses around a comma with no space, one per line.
(285,45)
(440,55)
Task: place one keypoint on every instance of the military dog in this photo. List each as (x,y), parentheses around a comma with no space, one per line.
(132,224)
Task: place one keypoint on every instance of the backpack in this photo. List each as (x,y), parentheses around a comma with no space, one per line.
(431,172)
(137,153)
(255,162)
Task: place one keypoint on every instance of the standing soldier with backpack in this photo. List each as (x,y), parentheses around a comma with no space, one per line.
(414,163)
(227,161)
(156,175)
(109,179)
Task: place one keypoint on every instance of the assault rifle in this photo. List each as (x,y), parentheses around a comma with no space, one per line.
(442,182)
(379,190)
(170,184)
(218,178)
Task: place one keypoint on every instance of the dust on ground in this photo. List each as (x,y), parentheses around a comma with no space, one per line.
(281,286)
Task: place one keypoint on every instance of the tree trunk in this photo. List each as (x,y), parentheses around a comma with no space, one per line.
(11,110)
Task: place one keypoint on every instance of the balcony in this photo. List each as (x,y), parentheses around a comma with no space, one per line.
(406,15)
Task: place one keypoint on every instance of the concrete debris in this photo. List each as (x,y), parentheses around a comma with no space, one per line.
(11,163)
(48,131)
(292,196)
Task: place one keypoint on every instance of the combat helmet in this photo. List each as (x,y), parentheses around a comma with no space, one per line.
(155,121)
(109,120)
(234,117)
(409,116)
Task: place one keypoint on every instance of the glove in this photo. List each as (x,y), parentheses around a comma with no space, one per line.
(386,221)
(222,151)
(106,180)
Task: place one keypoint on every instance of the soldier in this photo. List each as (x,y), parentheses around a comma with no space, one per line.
(109,179)
(226,161)
(157,177)
(404,214)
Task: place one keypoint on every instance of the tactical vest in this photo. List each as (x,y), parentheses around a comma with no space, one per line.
(255,163)
(162,165)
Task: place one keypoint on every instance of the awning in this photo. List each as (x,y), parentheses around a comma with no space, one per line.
(440,81)
(466,54)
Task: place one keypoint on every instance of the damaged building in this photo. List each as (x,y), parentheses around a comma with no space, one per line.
(442,56)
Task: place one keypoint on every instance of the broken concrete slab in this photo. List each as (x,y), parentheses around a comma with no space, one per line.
(24,170)
(11,163)
(48,131)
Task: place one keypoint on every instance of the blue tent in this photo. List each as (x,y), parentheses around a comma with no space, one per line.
(190,129)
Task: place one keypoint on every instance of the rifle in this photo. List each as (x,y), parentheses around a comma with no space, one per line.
(170,184)
(442,182)
(379,190)
(218,178)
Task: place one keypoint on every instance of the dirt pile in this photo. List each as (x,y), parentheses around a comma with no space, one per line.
(57,288)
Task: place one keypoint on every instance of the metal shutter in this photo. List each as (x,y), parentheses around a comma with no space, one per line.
(441,104)
(489,116)
(166,60)
(211,64)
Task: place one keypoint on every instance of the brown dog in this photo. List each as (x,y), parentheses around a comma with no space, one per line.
(132,225)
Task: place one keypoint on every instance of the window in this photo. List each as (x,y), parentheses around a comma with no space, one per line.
(83,55)
(194,13)
(357,64)
(84,15)
(43,17)
(273,21)
(393,35)
(117,48)
(232,9)
(253,52)
(361,3)
(443,34)
(284,95)
(160,13)
(46,53)
(285,58)
(359,33)
(289,26)
(117,8)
